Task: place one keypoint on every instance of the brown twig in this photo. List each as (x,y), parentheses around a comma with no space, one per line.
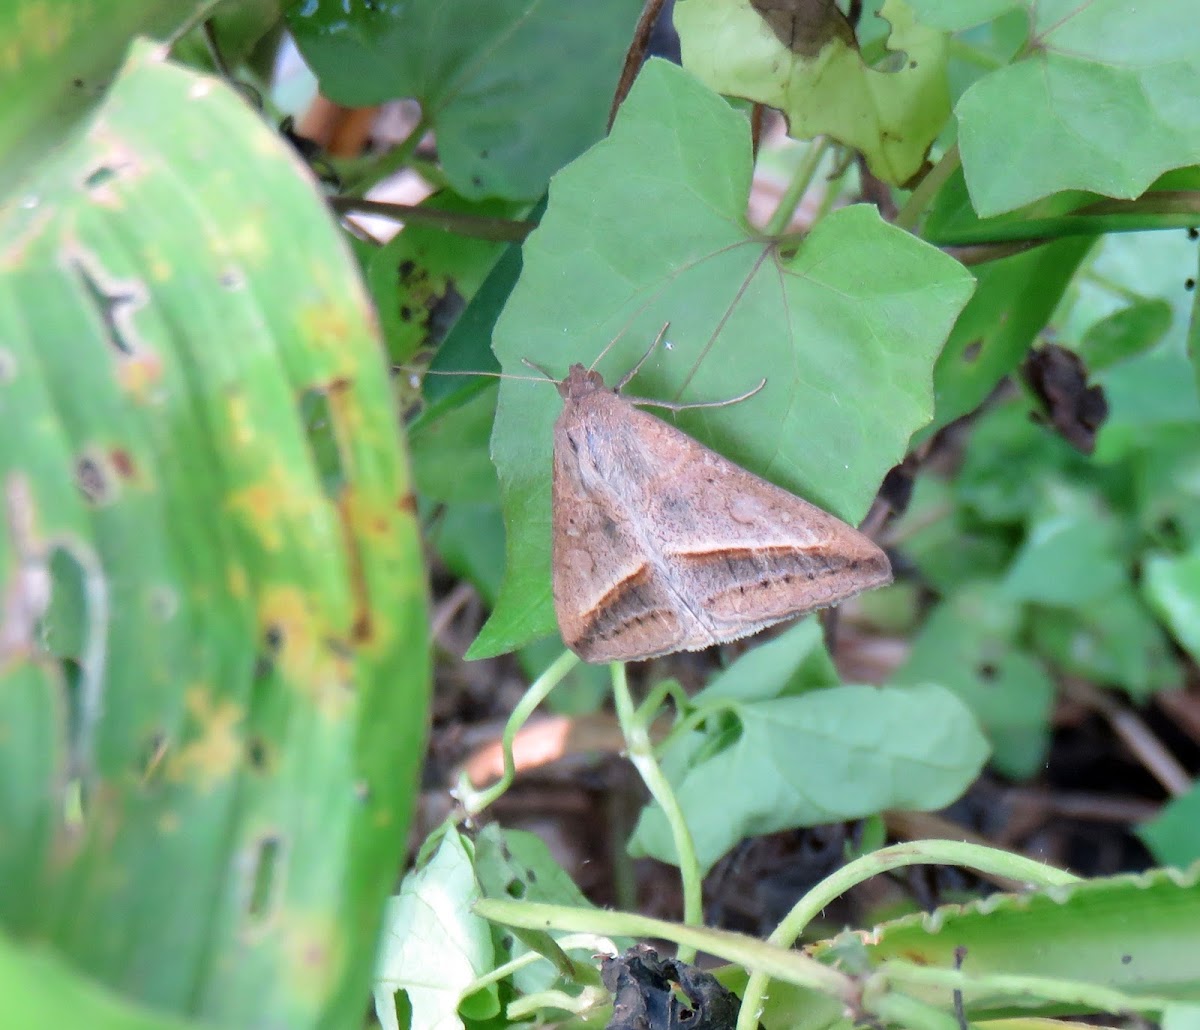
(634,56)
(480,227)
(1135,735)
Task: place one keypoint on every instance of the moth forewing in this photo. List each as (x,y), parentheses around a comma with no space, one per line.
(662,545)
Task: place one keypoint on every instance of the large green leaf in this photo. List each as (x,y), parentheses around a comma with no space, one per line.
(434,946)
(41,990)
(1100,101)
(649,227)
(199,442)
(821,82)
(827,755)
(1136,934)
(514,88)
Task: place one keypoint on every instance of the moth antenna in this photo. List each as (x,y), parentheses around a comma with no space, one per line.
(628,376)
(537,368)
(489,375)
(671,406)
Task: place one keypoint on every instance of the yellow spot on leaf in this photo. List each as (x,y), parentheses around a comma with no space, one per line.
(314,951)
(309,658)
(326,325)
(214,747)
(248,242)
(139,374)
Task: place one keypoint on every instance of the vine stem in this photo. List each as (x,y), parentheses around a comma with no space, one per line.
(475,801)
(634,726)
(792,196)
(925,852)
(927,189)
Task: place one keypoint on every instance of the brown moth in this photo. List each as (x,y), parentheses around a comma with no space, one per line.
(662,545)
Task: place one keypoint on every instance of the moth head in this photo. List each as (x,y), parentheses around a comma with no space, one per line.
(580,382)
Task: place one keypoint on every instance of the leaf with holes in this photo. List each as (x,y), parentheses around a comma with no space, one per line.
(649,227)
(817,77)
(210,523)
(58,63)
(433,946)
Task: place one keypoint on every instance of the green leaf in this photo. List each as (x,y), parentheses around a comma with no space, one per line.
(516,864)
(1166,474)
(792,663)
(1181,1017)
(1125,333)
(1068,558)
(822,84)
(434,947)
(845,325)
(451,463)
(237,30)
(1014,300)
(833,754)
(1173,836)
(1112,639)
(1099,101)
(425,276)
(946,544)
(41,990)
(1172,588)
(1012,463)
(1136,934)
(252,646)
(514,89)
(969,645)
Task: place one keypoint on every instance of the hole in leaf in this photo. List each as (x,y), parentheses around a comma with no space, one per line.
(151,764)
(972,351)
(315,413)
(100,175)
(515,889)
(257,753)
(403,1009)
(92,479)
(114,307)
(266,873)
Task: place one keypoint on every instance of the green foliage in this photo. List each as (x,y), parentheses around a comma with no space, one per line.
(514,89)
(772,759)
(1094,102)
(214,656)
(861,300)
(210,768)
(890,114)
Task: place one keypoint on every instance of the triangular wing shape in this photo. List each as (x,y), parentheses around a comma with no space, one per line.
(662,545)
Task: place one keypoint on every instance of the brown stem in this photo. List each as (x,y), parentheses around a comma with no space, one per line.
(634,56)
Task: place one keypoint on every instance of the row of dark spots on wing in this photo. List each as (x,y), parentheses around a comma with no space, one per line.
(751,573)
(632,602)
